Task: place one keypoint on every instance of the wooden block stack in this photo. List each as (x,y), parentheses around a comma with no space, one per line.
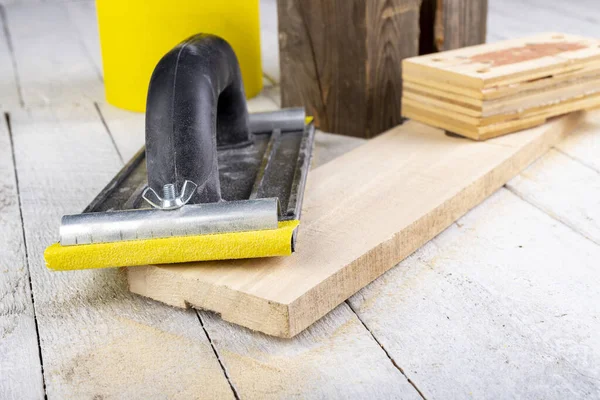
(490,90)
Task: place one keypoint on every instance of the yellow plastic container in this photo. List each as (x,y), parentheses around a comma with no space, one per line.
(135,34)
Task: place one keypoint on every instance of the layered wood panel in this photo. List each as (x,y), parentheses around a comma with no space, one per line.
(490,90)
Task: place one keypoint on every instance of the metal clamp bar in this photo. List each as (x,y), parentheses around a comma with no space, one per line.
(197,219)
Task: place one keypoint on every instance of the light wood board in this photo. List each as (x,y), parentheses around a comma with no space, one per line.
(364,212)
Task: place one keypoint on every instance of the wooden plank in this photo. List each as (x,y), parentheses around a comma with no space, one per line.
(126,129)
(503,304)
(53,67)
(83,16)
(335,358)
(9,87)
(363,213)
(584,143)
(20,365)
(329,146)
(485,128)
(340,59)
(97,339)
(460,23)
(564,187)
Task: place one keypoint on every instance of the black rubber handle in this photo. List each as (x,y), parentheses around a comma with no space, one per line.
(196,102)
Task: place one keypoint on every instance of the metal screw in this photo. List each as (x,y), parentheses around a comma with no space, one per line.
(169,191)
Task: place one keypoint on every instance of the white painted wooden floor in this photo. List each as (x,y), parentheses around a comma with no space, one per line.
(503,304)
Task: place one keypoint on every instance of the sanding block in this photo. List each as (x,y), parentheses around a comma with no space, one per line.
(213,182)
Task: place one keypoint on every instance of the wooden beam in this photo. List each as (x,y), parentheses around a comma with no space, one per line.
(364,212)
(341,59)
(460,23)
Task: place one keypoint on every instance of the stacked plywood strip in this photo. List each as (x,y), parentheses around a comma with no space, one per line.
(490,90)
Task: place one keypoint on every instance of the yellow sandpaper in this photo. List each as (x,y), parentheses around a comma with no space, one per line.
(222,246)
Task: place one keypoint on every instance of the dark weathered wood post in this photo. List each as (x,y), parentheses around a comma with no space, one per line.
(460,23)
(341,59)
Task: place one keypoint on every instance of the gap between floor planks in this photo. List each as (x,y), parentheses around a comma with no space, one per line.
(20,357)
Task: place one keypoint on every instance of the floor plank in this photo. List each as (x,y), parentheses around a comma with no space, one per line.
(97,339)
(503,304)
(565,189)
(584,143)
(335,358)
(127,129)
(83,16)
(9,90)
(53,68)
(90,324)
(20,365)
(515,18)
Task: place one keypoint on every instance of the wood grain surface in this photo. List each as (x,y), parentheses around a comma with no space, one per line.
(341,60)
(498,307)
(502,304)
(10,96)
(489,90)
(565,187)
(52,68)
(460,23)
(20,364)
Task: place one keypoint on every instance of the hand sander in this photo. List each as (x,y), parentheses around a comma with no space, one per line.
(212,182)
